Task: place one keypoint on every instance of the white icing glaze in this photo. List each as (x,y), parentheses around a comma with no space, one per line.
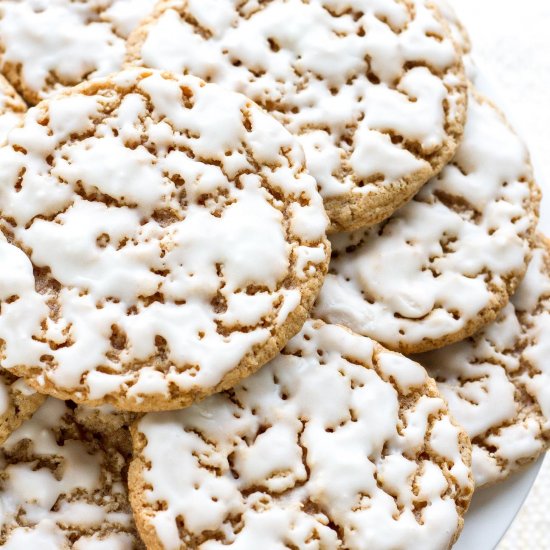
(460,35)
(244,236)
(339,74)
(12,390)
(496,382)
(20,386)
(431,269)
(45,535)
(125,15)
(317,436)
(12,108)
(60,489)
(62,42)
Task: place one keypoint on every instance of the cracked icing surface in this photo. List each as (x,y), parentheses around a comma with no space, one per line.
(48,44)
(373,89)
(12,108)
(174,241)
(62,487)
(446,263)
(337,443)
(497,383)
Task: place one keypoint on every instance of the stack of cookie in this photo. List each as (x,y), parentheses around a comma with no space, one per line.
(188,361)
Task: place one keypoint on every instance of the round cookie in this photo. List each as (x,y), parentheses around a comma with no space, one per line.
(48,44)
(125,15)
(337,443)
(459,32)
(447,262)
(12,108)
(61,487)
(17,403)
(374,91)
(497,382)
(175,241)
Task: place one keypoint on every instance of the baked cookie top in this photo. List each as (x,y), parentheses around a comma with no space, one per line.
(446,263)
(48,44)
(175,241)
(61,487)
(374,91)
(337,443)
(12,108)
(497,382)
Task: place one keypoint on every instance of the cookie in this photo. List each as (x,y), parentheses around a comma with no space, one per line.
(447,262)
(17,403)
(61,487)
(48,44)
(374,91)
(125,15)
(459,32)
(175,237)
(497,382)
(12,108)
(337,443)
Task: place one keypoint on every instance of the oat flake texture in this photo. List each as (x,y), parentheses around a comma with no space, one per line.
(168,241)
(337,443)
(447,262)
(373,89)
(497,383)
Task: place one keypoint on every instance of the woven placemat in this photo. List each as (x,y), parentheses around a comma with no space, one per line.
(531,528)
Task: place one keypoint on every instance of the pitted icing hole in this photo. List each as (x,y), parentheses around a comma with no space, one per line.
(494,381)
(63,485)
(344,453)
(170,225)
(448,261)
(374,93)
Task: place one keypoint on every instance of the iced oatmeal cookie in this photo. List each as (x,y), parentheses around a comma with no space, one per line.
(174,241)
(337,443)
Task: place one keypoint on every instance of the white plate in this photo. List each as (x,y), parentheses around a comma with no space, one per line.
(493,509)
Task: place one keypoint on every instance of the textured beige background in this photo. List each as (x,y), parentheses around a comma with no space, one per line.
(511,38)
